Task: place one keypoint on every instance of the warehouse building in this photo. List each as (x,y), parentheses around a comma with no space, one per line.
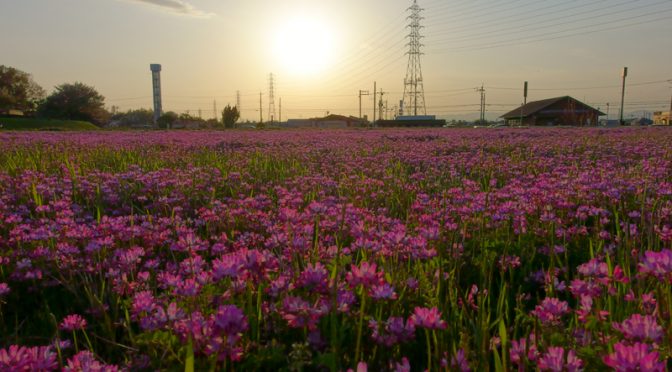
(554,111)
(661,118)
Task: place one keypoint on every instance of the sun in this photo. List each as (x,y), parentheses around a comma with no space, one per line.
(304,45)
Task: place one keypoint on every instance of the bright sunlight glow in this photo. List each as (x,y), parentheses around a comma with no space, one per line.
(304,46)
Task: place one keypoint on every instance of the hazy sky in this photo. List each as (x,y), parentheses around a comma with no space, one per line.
(322,52)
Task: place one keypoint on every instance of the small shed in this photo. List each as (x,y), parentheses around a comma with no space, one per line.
(554,111)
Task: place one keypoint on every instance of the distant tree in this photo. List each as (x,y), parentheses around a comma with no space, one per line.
(18,90)
(75,102)
(230,116)
(187,117)
(167,119)
(134,117)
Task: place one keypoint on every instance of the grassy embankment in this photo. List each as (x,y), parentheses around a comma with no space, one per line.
(45,124)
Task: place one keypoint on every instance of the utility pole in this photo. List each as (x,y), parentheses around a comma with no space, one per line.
(374,103)
(524,103)
(623,75)
(261,111)
(362,93)
(607,113)
(214,107)
(669,114)
(482,91)
(199,114)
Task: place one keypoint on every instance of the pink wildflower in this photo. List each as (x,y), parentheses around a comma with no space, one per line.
(365,274)
(427,318)
(640,328)
(551,311)
(73,322)
(555,360)
(635,357)
(657,264)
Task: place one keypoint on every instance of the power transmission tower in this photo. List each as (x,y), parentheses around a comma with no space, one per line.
(414,91)
(261,110)
(280,110)
(381,105)
(214,106)
(271,98)
(375,89)
(238,101)
(362,93)
(482,91)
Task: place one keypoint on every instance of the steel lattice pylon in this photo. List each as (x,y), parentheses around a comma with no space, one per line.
(271,98)
(414,91)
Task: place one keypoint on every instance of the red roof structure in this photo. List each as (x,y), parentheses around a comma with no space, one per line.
(554,111)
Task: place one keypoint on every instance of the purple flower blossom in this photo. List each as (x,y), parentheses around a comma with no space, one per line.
(227,331)
(365,275)
(143,302)
(86,361)
(73,322)
(556,360)
(404,366)
(523,349)
(551,310)
(21,358)
(314,276)
(230,320)
(383,292)
(657,264)
(508,262)
(636,357)
(299,313)
(393,331)
(427,318)
(4,289)
(641,328)
(459,362)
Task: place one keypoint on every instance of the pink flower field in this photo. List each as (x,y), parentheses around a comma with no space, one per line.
(403,250)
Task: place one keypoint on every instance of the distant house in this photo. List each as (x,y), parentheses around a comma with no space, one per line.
(188,124)
(426,121)
(330,121)
(639,122)
(661,118)
(554,111)
(11,112)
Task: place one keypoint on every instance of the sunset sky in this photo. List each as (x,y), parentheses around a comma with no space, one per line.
(323,52)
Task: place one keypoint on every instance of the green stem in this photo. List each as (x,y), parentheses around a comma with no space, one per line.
(362,306)
(88,341)
(429,350)
(74,338)
(189,362)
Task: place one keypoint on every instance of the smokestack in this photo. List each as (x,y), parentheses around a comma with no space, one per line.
(156,88)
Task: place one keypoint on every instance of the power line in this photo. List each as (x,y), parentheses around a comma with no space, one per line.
(518,29)
(579,31)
